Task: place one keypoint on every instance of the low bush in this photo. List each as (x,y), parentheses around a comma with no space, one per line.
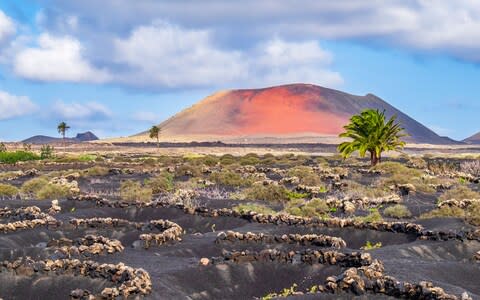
(32,186)
(292,195)
(306,175)
(442,167)
(47,152)
(8,190)
(397,211)
(471,167)
(371,246)
(313,208)
(189,169)
(53,191)
(12,157)
(161,184)
(373,217)
(400,174)
(471,214)
(261,209)
(444,211)
(357,190)
(459,192)
(134,191)
(228,159)
(270,193)
(230,178)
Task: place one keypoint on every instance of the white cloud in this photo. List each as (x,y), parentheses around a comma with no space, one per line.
(279,62)
(12,106)
(164,55)
(56,59)
(90,111)
(169,56)
(444,26)
(7,27)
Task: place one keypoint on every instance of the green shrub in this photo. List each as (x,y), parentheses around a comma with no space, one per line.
(53,191)
(8,190)
(313,208)
(9,157)
(189,169)
(397,211)
(373,217)
(292,195)
(230,178)
(371,246)
(161,184)
(261,209)
(250,159)
(357,190)
(227,159)
(32,186)
(444,211)
(47,152)
(270,193)
(400,174)
(471,214)
(460,192)
(306,175)
(133,191)
(3,147)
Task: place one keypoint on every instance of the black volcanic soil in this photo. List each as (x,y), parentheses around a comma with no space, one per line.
(174,267)
(176,273)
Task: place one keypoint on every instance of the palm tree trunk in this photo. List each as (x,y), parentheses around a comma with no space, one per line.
(158,142)
(374,160)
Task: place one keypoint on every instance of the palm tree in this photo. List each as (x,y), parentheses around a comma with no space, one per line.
(62,129)
(154,134)
(370,133)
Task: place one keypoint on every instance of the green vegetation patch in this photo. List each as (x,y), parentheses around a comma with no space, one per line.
(313,208)
(397,211)
(134,191)
(12,157)
(8,190)
(261,209)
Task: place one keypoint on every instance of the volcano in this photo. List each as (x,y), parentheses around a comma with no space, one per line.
(281,112)
(474,139)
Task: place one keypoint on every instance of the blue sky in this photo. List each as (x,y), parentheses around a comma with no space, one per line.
(117,73)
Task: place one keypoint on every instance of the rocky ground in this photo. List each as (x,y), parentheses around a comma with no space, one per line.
(206,227)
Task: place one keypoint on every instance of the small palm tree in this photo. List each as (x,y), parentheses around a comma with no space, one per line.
(62,129)
(155,134)
(370,133)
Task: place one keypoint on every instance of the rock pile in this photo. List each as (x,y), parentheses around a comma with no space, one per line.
(26,218)
(306,240)
(89,245)
(70,183)
(171,232)
(290,220)
(308,256)
(458,203)
(371,278)
(55,208)
(350,204)
(128,281)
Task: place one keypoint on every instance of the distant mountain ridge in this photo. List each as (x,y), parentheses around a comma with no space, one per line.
(43,139)
(474,139)
(278,112)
